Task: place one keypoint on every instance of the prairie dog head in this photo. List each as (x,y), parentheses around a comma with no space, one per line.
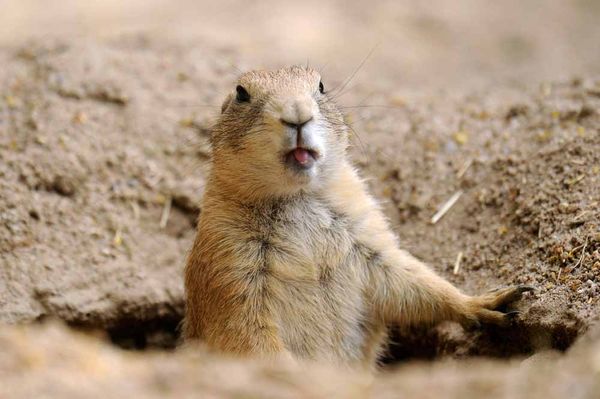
(278,134)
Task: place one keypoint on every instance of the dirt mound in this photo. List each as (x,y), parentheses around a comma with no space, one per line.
(525,168)
(38,362)
(101,172)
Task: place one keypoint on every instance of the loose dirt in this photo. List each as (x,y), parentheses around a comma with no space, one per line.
(103,155)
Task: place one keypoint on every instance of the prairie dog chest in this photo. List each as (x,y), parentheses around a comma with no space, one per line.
(302,240)
(312,287)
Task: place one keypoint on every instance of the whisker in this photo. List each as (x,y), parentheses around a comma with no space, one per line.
(192,106)
(322,69)
(376,150)
(354,121)
(362,102)
(343,107)
(349,79)
(238,70)
(360,142)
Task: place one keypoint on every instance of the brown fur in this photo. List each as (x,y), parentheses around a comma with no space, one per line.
(304,264)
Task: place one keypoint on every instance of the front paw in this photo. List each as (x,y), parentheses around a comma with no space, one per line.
(491,308)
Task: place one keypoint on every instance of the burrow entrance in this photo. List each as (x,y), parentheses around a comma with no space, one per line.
(445,340)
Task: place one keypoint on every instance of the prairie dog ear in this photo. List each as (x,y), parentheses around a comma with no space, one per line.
(226,102)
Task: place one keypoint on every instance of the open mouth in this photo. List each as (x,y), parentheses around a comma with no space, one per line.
(302,158)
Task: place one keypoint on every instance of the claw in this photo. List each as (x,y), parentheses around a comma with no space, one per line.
(512,316)
(472,326)
(470,323)
(517,293)
(525,288)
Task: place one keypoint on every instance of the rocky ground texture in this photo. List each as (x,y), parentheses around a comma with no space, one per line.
(103,154)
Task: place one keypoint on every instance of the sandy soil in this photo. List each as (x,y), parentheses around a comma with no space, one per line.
(37,363)
(104,149)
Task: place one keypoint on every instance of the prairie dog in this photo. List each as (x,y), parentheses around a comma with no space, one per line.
(293,256)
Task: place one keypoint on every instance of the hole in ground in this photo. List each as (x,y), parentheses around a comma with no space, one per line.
(159,333)
(451,340)
(445,340)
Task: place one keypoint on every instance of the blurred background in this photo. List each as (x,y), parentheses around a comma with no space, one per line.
(439,43)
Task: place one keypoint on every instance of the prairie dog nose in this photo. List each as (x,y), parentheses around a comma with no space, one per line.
(296,113)
(297,126)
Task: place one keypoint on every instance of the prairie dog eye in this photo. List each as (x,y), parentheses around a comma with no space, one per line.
(242,95)
(321,87)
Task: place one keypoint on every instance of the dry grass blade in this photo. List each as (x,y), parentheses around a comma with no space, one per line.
(463,169)
(164,218)
(582,253)
(446,207)
(135,209)
(457,263)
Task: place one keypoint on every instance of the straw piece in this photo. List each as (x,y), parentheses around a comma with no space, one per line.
(446,207)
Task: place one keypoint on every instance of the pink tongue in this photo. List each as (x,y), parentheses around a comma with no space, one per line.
(301,155)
